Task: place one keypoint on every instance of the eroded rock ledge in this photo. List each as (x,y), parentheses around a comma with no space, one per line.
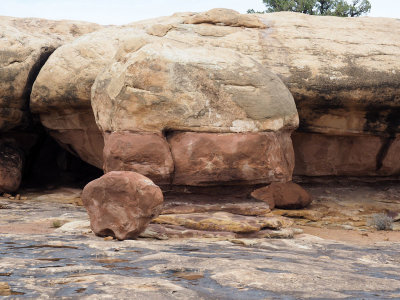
(216,72)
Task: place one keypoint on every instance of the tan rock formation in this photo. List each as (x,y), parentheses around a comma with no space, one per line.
(173,86)
(61,93)
(25,46)
(121,204)
(344,84)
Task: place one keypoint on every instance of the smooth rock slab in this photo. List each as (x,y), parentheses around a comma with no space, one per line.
(121,204)
(231,158)
(245,208)
(145,153)
(222,221)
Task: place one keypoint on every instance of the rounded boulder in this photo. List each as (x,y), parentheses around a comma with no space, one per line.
(121,204)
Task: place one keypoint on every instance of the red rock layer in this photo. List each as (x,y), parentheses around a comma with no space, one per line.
(324,155)
(201,159)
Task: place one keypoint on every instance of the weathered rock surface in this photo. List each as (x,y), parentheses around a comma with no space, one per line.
(223,221)
(121,204)
(231,158)
(25,46)
(173,86)
(145,153)
(283,195)
(342,85)
(61,93)
(11,160)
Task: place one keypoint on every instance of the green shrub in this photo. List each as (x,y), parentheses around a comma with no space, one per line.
(381,222)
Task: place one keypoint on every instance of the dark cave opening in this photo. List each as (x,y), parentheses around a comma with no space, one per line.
(48,165)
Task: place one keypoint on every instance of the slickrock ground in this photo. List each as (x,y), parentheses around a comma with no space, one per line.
(337,256)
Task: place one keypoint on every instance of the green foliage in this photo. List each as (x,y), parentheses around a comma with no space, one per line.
(340,8)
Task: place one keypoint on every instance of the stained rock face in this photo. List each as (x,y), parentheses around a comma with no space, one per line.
(121,204)
(287,195)
(11,160)
(211,159)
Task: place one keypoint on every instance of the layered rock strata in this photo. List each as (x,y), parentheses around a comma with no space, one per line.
(345,88)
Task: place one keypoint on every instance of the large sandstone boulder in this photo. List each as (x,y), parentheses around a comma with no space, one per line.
(168,87)
(121,204)
(175,87)
(25,46)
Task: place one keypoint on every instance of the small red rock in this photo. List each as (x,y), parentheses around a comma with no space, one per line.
(287,195)
(121,204)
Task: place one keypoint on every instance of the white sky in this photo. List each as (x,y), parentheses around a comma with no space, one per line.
(126,11)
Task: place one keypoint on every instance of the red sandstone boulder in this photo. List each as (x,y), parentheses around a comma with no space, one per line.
(145,153)
(283,195)
(211,158)
(121,204)
(10,168)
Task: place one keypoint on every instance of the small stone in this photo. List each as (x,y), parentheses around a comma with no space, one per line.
(286,195)
(18,197)
(121,204)
(11,198)
(4,289)
(108,238)
(6,195)
(24,198)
